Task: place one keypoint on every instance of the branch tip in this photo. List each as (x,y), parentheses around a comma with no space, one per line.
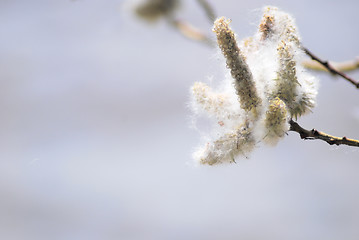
(315,134)
(330,68)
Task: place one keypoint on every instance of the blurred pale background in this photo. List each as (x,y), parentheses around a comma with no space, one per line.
(95,142)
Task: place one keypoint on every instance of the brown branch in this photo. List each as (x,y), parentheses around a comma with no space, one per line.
(314,134)
(330,68)
(346,66)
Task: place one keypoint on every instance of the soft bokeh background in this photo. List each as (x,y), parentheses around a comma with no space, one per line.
(95,140)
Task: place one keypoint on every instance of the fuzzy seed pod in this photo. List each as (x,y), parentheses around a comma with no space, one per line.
(277,25)
(275,121)
(226,148)
(215,104)
(286,82)
(243,79)
(304,105)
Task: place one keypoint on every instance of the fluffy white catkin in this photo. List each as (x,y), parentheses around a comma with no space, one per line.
(270,88)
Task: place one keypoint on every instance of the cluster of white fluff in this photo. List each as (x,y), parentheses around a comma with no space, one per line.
(266,88)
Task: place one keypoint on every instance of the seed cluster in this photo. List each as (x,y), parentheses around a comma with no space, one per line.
(270,88)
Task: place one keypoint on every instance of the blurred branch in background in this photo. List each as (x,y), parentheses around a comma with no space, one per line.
(346,66)
(153,10)
(207,7)
(191,32)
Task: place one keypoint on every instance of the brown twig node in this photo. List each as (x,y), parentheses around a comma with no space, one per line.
(315,134)
(330,68)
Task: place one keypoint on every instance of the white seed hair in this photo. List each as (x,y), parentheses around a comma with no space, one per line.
(282,89)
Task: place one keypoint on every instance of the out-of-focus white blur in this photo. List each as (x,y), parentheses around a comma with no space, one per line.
(95,142)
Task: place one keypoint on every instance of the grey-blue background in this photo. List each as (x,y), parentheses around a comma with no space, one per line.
(95,140)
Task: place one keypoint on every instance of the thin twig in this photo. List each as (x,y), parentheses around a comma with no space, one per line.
(314,134)
(330,68)
(190,32)
(346,66)
(208,9)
